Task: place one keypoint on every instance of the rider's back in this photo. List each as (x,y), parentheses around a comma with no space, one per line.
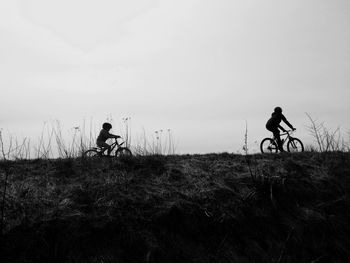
(103,136)
(275,120)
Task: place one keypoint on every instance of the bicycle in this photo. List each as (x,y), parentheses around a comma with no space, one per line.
(100,152)
(269,145)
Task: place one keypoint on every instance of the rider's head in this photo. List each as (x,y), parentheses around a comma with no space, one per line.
(107,126)
(278,110)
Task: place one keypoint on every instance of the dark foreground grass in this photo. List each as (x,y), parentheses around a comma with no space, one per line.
(192,208)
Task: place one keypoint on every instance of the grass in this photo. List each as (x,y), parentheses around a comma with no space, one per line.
(327,139)
(162,207)
(54,142)
(178,208)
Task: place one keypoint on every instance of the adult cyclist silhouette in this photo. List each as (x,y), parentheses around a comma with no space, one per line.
(273,125)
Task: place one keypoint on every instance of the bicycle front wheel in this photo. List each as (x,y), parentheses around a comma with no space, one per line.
(295,145)
(123,152)
(268,145)
(91,153)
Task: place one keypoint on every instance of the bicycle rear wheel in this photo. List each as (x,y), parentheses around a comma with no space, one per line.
(123,152)
(268,145)
(295,145)
(91,153)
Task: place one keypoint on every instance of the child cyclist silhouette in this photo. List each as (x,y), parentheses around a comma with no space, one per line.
(103,136)
(273,125)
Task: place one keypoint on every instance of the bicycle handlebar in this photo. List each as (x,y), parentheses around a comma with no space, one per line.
(116,140)
(287,132)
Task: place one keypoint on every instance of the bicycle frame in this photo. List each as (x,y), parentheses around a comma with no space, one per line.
(113,145)
(287,134)
(116,148)
(270,145)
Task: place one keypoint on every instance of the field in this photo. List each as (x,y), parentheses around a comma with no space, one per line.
(178,208)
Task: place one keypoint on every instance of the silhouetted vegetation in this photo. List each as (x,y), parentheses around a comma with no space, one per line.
(191,208)
(327,139)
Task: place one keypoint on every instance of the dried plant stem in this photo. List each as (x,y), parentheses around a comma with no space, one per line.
(2,146)
(285,245)
(4,197)
(5,185)
(326,139)
(246,155)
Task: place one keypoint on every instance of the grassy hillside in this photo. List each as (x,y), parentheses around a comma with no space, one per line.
(191,208)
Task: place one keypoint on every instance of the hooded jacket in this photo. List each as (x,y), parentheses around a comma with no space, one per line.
(275,120)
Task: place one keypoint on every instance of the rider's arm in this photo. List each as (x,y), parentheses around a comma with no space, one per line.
(287,122)
(279,126)
(106,135)
(113,136)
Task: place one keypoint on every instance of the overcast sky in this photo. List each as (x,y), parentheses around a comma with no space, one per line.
(202,68)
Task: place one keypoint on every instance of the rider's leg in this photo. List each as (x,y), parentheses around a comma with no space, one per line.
(104,146)
(276,133)
(109,149)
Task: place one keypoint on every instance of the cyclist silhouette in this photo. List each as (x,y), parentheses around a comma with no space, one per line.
(273,125)
(103,136)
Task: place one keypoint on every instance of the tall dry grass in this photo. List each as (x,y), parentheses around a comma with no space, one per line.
(327,139)
(161,142)
(250,159)
(55,141)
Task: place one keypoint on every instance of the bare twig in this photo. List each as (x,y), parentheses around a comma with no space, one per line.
(6,169)
(246,156)
(314,129)
(326,139)
(5,184)
(285,245)
(2,146)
